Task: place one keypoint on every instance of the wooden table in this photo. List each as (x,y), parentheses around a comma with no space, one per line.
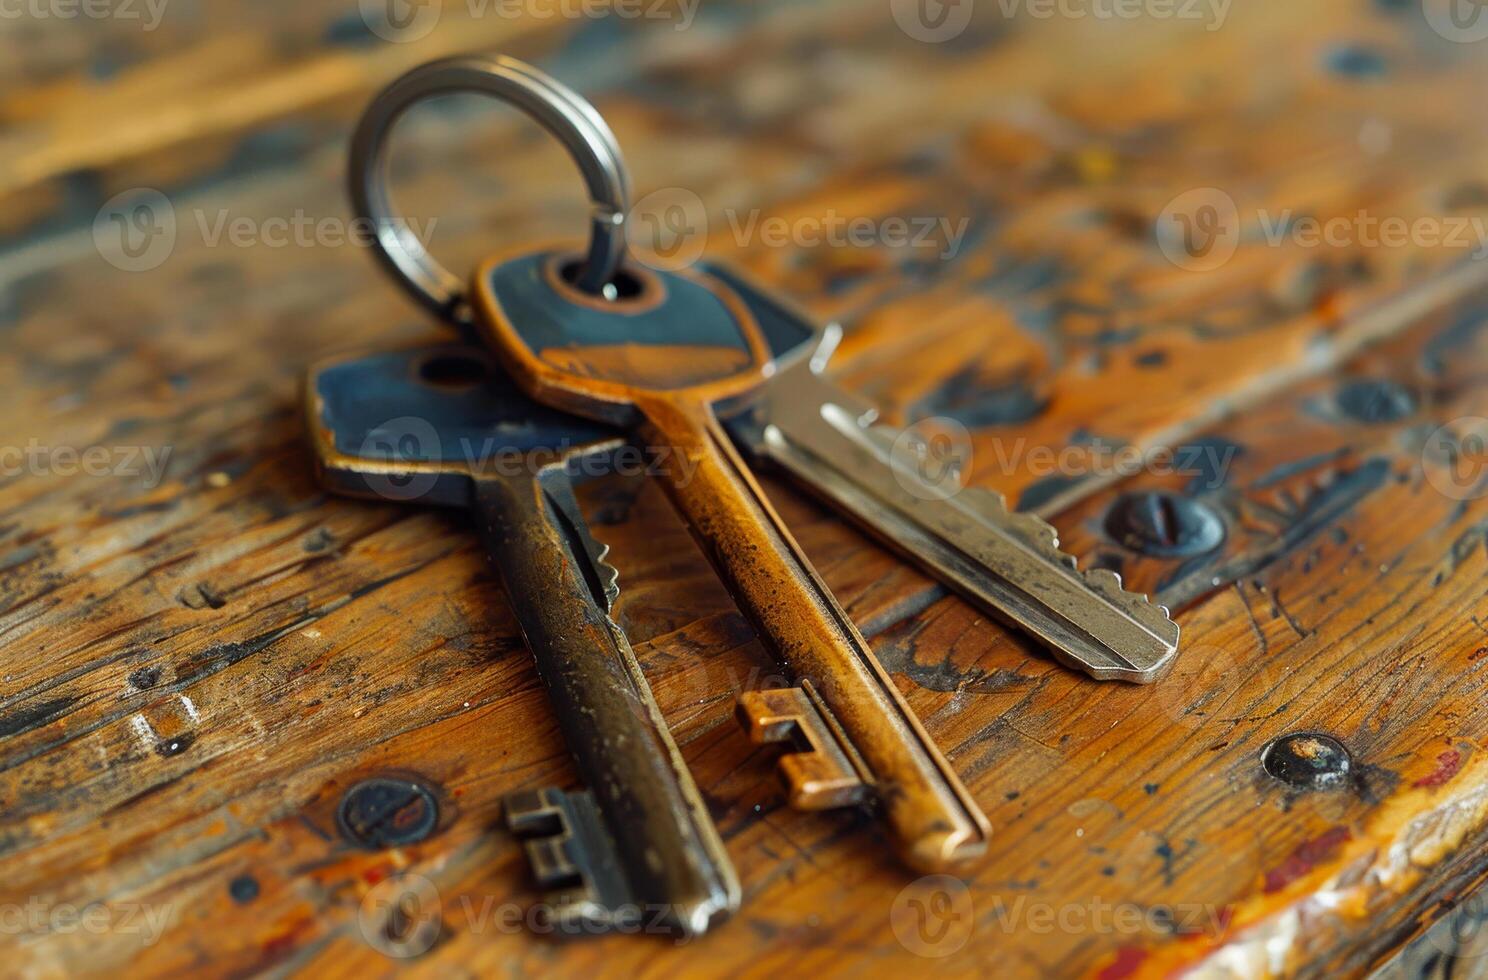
(203,654)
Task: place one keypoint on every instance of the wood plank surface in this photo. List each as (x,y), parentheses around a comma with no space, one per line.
(201,652)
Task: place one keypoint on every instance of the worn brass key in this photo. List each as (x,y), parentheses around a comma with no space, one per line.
(442,426)
(657,361)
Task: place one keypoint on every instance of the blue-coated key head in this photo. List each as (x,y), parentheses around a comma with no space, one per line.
(421,424)
(787,330)
(664,332)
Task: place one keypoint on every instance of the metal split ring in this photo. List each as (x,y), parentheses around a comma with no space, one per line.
(557,108)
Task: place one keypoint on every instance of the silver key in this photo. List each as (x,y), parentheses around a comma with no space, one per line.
(1006,563)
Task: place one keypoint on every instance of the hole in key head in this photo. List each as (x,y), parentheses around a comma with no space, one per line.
(625,286)
(453,371)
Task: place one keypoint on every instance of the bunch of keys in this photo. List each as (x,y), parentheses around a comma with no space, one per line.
(578,353)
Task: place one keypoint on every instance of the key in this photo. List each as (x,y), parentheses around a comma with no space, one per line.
(1008,565)
(655,359)
(441,426)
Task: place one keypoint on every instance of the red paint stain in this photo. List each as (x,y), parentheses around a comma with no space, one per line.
(1305,858)
(1447,765)
(1128,958)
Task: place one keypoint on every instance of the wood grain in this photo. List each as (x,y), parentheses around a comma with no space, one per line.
(194,671)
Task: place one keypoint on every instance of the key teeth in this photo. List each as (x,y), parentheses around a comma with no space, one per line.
(1136,604)
(609,575)
(818,768)
(571,857)
(1041,535)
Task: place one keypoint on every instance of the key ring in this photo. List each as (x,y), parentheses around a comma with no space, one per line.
(557,108)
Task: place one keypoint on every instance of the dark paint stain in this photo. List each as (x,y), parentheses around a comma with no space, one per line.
(1375,401)
(1461,333)
(1207,461)
(616,500)
(1041,491)
(201,596)
(1470,195)
(1356,61)
(145,678)
(1285,471)
(1165,851)
(944,675)
(1319,510)
(350,30)
(1155,358)
(381,812)
(1308,761)
(175,745)
(243,889)
(1306,857)
(222,656)
(158,507)
(318,541)
(1150,788)
(34,716)
(969,398)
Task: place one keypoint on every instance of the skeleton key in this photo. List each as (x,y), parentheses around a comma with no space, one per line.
(1007,564)
(441,426)
(654,352)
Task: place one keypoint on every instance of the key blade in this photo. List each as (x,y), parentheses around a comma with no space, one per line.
(592,556)
(1009,564)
